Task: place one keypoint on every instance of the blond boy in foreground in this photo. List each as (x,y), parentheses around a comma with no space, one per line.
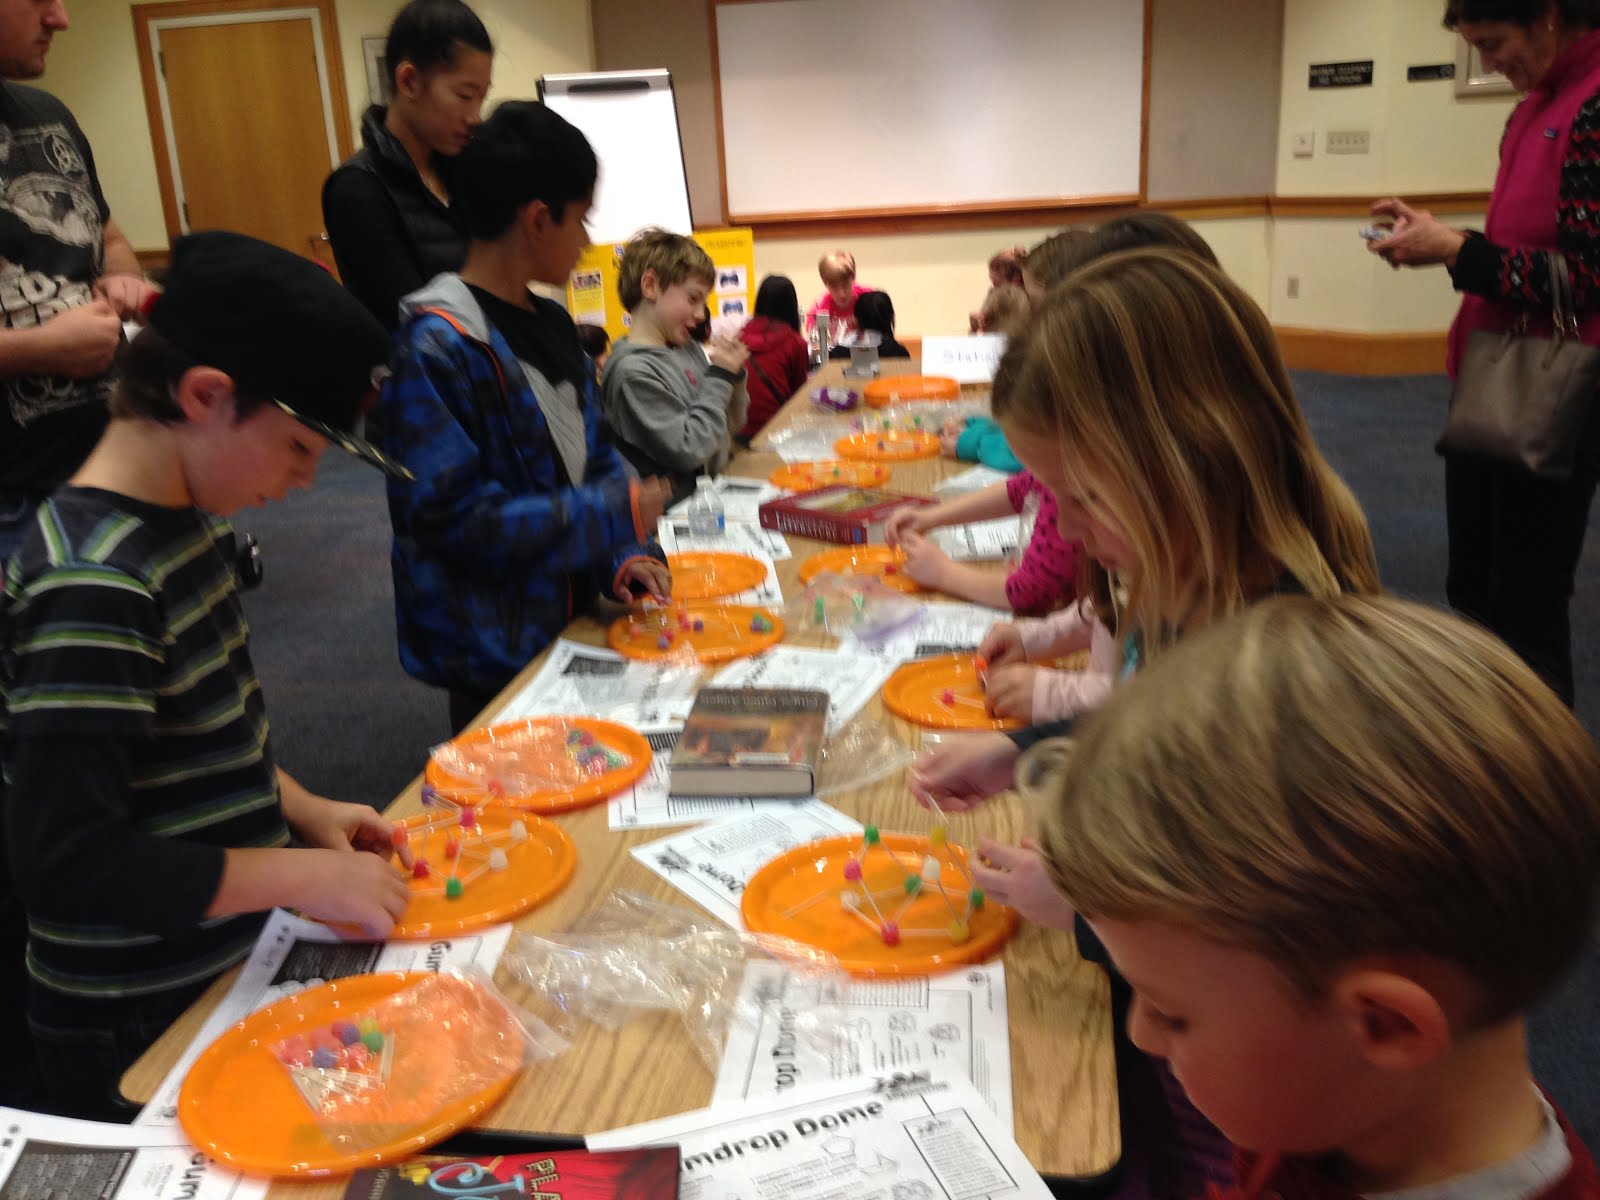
(1338,849)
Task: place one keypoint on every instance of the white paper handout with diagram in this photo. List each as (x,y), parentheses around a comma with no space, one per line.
(43,1157)
(586,681)
(943,629)
(999,538)
(949,1024)
(912,1136)
(293,954)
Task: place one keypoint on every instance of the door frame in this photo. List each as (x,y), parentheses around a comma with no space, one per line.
(325,28)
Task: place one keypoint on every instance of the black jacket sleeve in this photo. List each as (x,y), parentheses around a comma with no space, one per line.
(76,858)
(370,243)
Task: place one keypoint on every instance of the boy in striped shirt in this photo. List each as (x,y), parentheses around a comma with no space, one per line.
(146,827)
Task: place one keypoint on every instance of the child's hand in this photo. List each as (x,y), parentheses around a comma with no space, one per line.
(351,889)
(1002,646)
(655,493)
(335,825)
(651,574)
(1009,691)
(729,353)
(925,562)
(949,441)
(1016,875)
(903,521)
(964,772)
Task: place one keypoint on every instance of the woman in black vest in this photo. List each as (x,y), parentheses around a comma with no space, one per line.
(387,209)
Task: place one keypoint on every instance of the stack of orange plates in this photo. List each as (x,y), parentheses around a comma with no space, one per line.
(898,389)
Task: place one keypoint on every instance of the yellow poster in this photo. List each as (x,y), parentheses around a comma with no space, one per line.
(592,290)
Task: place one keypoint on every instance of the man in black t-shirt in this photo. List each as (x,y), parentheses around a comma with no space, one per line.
(68,278)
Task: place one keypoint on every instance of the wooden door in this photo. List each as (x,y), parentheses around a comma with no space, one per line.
(249,120)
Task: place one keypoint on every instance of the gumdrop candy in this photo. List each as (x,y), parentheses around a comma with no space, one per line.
(519,831)
(913,884)
(976,898)
(938,835)
(469,818)
(699,625)
(323,1039)
(891,934)
(355,1057)
(849,901)
(836,472)
(881,446)
(870,835)
(852,869)
(419,869)
(930,869)
(345,1031)
(452,888)
(430,795)
(574,736)
(980,664)
(948,696)
(959,931)
(373,1040)
(399,837)
(495,788)
(324,1059)
(663,641)
(498,860)
(452,847)
(295,1052)
(891,569)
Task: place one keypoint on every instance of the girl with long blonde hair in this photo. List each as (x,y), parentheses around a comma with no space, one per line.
(1149,396)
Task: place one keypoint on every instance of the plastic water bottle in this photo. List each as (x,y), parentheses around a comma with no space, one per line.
(706,516)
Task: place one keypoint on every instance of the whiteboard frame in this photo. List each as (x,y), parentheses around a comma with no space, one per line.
(625,81)
(931,217)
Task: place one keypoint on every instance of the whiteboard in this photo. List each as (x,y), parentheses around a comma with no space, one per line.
(631,120)
(832,105)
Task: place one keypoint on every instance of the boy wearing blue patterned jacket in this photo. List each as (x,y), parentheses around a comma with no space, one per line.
(522,513)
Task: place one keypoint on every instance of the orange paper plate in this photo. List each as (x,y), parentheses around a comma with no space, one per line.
(888,445)
(526,764)
(707,574)
(941,693)
(240,1105)
(538,865)
(809,476)
(797,895)
(725,634)
(896,389)
(887,564)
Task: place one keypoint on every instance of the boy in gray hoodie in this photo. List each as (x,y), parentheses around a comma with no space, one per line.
(671,408)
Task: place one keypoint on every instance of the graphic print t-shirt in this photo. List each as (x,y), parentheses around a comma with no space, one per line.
(52,248)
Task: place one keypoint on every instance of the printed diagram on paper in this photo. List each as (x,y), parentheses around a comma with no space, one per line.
(646,805)
(293,954)
(849,678)
(587,681)
(742,499)
(943,629)
(904,1137)
(44,1156)
(712,864)
(950,1024)
(981,540)
(973,480)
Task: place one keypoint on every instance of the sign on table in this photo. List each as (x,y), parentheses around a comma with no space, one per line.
(970,359)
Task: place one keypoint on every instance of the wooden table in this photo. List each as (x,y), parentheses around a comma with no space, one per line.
(1063,1079)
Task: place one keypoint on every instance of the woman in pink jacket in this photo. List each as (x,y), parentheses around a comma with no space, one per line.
(1514,537)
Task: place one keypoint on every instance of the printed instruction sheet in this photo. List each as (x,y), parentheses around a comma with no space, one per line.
(741,497)
(42,1157)
(849,677)
(646,805)
(981,540)
(293,954)
(588,681)
(974,480)
(950,1024)
(712,864)
(911,1136)
(943,629)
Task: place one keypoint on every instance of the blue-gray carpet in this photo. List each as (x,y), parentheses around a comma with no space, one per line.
(349,723)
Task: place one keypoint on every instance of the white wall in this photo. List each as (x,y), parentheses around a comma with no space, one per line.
(1424,139)
(94,69)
